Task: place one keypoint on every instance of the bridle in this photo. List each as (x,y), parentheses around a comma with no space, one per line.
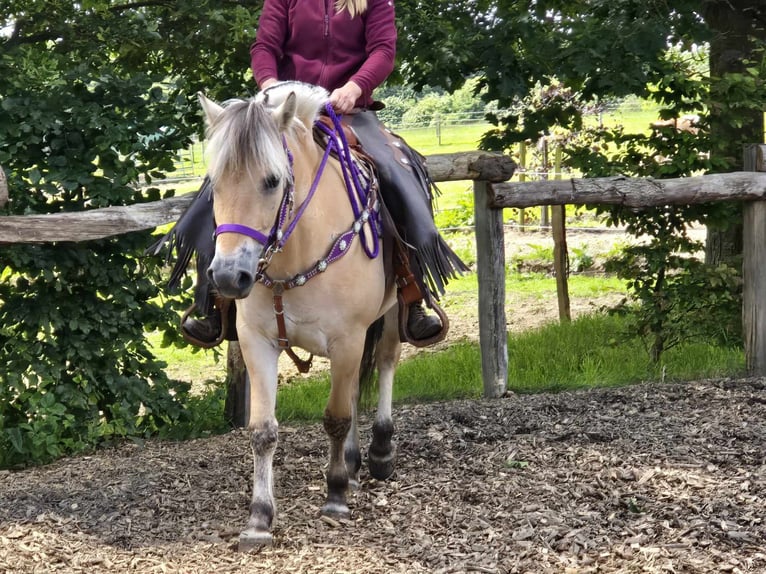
(363,196)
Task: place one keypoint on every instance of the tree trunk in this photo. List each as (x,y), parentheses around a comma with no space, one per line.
(734,23)
(3,188)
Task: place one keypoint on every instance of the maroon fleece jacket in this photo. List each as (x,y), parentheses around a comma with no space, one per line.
(308,41)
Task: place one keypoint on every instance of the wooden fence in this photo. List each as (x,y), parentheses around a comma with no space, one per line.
(110,221)
(490,173)
(637,193)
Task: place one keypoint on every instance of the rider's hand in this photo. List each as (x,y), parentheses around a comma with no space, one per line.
(344,98)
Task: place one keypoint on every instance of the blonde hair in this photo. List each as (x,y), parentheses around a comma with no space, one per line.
(354,7)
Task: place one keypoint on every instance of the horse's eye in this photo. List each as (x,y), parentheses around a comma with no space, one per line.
(271,181)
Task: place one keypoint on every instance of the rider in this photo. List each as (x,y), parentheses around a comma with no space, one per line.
(348,47)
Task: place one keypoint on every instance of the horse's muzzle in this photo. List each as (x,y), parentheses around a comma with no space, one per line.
(233,276)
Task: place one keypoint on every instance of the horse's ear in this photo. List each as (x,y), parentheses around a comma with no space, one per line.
(211,109)
(285,113)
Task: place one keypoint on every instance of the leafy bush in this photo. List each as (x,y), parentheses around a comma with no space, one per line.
(537,258)
(580,260)
(75,369)
(456,217)
(96,98)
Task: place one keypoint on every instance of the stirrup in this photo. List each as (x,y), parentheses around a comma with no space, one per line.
(404,332)
(223,309)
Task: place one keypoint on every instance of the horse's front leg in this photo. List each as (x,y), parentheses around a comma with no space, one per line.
(261,362)
(337,423)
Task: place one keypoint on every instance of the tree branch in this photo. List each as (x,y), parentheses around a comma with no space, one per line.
(143,4)
(16,39)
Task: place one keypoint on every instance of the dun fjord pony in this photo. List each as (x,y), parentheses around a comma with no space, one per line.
(297,248)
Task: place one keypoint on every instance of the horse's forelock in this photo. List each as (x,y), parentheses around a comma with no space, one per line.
(245,141)
(310,100)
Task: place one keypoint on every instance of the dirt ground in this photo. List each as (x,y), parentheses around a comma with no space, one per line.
(650,478)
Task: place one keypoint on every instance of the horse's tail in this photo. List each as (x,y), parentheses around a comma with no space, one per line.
(367,366)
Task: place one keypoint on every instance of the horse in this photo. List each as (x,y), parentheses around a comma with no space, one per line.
(299,251)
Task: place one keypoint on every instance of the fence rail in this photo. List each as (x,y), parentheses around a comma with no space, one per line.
(111,221)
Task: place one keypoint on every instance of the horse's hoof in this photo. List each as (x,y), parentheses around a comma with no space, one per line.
(383,467)
(335,510)
(252,538)
(353,484)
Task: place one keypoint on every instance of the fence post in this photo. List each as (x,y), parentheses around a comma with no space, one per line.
(522,178)
(544,219)
(560,252)
(754,271)
(237,396)
(490,263)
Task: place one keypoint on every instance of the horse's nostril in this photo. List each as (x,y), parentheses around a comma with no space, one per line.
(245,281)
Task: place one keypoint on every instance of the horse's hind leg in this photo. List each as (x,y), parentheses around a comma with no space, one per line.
(382,453)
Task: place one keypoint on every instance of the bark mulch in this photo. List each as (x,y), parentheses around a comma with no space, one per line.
(649,478)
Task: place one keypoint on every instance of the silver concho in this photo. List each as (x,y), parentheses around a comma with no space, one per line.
(357,226)
(300,280)
(342,245)
(322,265)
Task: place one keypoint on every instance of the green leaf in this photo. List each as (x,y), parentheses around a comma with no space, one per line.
(17,440)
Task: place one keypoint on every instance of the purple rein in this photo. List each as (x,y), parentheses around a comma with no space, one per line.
(359,194)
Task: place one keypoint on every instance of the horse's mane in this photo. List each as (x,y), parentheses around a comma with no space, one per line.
(310,99)
(245,136)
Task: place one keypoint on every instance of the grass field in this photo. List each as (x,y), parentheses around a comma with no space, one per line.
(593,351)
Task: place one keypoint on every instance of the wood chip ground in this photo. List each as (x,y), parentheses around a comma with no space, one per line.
(650,478)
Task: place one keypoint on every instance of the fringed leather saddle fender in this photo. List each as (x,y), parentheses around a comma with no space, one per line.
(410,234)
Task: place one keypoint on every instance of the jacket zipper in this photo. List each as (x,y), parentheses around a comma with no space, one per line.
(327,5)
(327,18)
